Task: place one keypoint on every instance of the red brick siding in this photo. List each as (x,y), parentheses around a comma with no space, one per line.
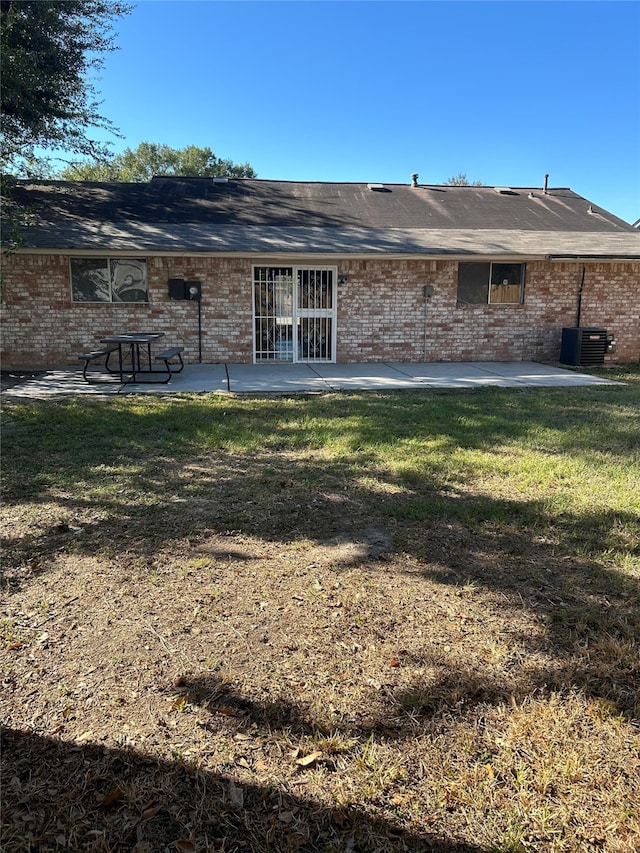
(611,298)
(382,312)
(379,294)
(43,327)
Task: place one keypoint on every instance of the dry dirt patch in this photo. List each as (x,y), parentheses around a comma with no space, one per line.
(324,695)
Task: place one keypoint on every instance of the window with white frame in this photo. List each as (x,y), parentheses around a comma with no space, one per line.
(295,313)
(109,280)
(490,283)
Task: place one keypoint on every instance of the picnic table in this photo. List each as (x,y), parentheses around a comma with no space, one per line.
(135,361)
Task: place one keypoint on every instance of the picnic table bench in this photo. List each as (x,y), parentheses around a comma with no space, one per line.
(135,362)
(167,355)
(94,355)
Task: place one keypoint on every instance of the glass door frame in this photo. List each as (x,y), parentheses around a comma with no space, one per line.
(299,315)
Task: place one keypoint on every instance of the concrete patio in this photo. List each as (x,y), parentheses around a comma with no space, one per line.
(312,378)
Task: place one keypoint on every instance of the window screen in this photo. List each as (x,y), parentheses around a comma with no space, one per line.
(483,283)
(473,284)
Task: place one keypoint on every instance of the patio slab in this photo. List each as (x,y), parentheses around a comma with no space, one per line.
(459,375)
(494,373)
(275,379)
(359,377)
(194,378)
(311,378)
(61,382)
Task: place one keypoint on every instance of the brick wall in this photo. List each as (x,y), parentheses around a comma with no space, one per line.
(42,327)
(382,312)
(379,294)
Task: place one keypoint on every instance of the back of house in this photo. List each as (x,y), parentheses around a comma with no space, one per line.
(246,270)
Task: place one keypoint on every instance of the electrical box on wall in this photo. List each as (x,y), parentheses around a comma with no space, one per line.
(193,290)
(181,289)
(176,288)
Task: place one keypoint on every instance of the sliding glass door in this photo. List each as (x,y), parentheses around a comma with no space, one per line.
(294,314)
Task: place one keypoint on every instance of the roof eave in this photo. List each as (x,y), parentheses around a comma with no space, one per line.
(436,255)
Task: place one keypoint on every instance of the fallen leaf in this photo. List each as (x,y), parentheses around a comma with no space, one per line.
(286,817)
(85,736)
(111,798)
(400,799)
(147,814)
(184,845)
(307,760)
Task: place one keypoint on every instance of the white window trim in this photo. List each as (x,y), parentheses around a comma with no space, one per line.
(331,313)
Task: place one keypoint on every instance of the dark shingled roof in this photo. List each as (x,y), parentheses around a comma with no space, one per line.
(247,215)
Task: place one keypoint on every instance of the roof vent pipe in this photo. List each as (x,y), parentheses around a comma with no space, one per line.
(414,180)
(546,183)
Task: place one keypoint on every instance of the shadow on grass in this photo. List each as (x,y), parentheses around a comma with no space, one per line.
(144,476)
(53,444)
(391,715)
(590,613)
(151,474)
(124,801)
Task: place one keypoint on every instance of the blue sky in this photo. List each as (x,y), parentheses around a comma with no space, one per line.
(374,91)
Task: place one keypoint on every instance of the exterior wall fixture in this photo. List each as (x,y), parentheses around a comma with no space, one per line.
(181,289)
(190,290)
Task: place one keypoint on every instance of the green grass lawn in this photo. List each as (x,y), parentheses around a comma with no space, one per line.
(364,621)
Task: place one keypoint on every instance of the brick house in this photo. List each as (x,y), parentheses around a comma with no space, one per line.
(344,272)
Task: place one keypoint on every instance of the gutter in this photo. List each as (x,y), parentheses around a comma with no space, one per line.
(592,258)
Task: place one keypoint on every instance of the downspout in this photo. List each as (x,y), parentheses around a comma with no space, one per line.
(199,331)
(424,341)
(579,307)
